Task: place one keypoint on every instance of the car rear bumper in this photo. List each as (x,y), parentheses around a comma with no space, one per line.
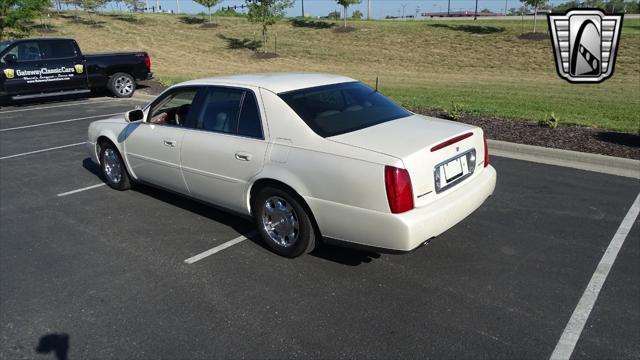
(407,231)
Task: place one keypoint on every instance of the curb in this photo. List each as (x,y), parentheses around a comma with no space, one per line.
(573,159)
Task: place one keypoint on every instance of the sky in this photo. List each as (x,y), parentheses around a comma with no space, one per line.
(380,8)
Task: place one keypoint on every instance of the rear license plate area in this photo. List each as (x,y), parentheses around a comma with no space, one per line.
(454,170)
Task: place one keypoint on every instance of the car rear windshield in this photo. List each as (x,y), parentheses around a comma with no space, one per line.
(341,108)
(4,44)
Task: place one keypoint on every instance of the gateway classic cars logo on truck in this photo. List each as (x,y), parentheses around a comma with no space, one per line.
(9,74)
(585,43)
(46,71)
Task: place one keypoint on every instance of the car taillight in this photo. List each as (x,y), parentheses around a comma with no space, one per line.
(399,192)
(486,152)
(147,62)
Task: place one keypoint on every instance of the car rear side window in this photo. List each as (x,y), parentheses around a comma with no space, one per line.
(230,111)
(249,124)
(341,108)
(57,49)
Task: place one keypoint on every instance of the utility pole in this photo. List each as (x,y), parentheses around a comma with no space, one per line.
(506,3)
(475,14)
(369,10)
(448,8)
(177,6)
(302,8)
(403,7)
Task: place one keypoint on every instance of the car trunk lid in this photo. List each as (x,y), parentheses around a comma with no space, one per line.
(424,143)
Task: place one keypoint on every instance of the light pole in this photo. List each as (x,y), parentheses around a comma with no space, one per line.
(448,8)
(475,14)
(369,10)
(302,8)
(403,8)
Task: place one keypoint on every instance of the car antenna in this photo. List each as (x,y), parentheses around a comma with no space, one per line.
(377,84)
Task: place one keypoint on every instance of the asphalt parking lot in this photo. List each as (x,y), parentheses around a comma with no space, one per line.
(104,271)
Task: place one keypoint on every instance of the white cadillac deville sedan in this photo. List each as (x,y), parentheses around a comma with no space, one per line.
(310,157)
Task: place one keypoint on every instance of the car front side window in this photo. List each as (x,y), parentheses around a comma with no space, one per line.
(174,108)
(26,51)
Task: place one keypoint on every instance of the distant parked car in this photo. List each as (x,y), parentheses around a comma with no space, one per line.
(311,157)
(36,68)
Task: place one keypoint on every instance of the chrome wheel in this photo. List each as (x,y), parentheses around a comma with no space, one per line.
(280,221)
(123,85)
(112,166)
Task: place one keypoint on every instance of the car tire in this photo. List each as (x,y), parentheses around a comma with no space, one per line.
(122,85)
(294,233)
(113,168)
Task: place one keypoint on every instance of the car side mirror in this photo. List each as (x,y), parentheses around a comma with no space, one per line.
(134,115)
(10,59)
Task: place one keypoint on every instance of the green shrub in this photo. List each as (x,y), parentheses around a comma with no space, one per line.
(455,112)
(551,122)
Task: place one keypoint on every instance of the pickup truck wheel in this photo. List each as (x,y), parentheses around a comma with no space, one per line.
(113,168)
(122,85)
(283,223)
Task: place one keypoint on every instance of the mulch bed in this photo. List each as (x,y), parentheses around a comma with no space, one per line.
(536,36)
(265,55)
(342,29)
(150,87)
(567,137)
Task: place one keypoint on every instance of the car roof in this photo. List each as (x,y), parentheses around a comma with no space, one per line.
(275,82)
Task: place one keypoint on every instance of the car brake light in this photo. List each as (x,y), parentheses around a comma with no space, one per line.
(486,152)
(147,62)
(451,141)
(399,192)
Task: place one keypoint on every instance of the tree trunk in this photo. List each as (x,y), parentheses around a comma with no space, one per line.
(209,15)
(264,38)
(345,17)
(535,17)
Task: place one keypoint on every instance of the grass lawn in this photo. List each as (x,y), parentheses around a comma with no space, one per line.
(480,66)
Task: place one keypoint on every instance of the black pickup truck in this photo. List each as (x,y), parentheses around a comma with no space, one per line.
(34,68)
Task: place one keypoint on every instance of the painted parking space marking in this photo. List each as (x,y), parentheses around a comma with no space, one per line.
(221,247)
(106,116)
(41,151)
(81,189)
(572,331)
(88,102)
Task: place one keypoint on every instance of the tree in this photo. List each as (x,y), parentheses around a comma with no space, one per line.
(535,4)
(485,11)
(208,4)
(266,13)
(92,6)
(334,15)
(357,15)
(16,16)
(345,4)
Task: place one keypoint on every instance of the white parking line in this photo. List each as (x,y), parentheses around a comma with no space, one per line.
(43,150)
(59,122)
(81,189)
(572,331)
(221,247)
(72,104)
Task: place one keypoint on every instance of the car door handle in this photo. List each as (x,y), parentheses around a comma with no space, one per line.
(243,156)
(170,143)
